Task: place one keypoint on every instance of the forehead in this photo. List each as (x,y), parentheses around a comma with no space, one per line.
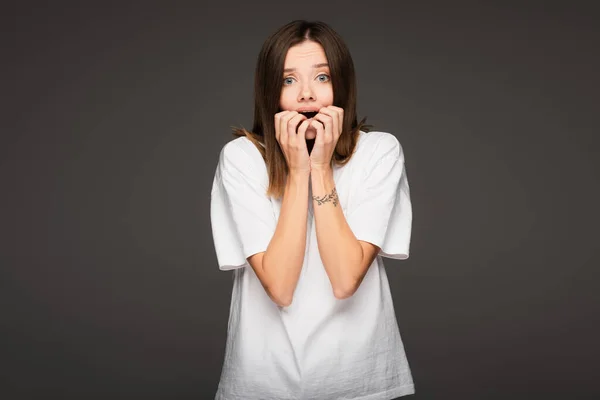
(307,51)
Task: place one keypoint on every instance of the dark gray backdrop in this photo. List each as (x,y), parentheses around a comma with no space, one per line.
(113,118)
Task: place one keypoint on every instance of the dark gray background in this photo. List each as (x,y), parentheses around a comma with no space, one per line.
(113,119)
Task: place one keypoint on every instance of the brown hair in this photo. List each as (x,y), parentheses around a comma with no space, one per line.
(268,81)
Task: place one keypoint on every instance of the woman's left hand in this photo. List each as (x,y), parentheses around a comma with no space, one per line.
(328,124)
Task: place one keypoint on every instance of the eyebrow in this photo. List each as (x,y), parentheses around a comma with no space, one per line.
(314,66)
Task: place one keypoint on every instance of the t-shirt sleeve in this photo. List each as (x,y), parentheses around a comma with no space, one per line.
(242,218)
(382,213)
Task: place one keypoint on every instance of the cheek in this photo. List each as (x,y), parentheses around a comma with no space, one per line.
(326,95)
(286,101)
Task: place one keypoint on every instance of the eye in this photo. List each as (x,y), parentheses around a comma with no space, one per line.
(323,78)
(288,81)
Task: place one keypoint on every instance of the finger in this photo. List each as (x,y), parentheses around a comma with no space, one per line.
(278,117)
(327,121)
(293,124)
(285,119)
(340,116)
(285,124)
(319,128)
(331,126)
(302,132)
(338,121)
(283,134)
(276,124)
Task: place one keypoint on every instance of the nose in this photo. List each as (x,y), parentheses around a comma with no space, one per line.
(306,93)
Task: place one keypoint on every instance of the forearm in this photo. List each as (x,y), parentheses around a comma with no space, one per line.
(284,257)
(340,251)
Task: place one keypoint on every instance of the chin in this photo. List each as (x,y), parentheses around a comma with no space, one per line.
(310,135)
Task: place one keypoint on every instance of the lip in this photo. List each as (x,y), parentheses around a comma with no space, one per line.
(307,109)
(309,113)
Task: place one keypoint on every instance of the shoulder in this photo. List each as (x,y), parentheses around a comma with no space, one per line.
(240,153)
(240,160)
(376,145)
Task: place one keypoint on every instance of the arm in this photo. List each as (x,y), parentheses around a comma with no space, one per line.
(346,259)
(278,268)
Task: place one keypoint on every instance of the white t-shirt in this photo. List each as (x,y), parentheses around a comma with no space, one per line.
(319,347)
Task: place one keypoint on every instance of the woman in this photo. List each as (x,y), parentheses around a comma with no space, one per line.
(303,209)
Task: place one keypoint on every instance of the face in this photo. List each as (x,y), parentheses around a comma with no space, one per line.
(306,80)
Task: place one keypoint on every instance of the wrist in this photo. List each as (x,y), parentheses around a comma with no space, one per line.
(299,174)
(323,167)
(322,180)
(321,170)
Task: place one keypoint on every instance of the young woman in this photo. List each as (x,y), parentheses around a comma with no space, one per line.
(303,209)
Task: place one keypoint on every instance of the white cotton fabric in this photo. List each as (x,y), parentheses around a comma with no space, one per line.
(319,347)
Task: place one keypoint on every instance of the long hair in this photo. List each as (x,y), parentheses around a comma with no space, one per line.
(268,81)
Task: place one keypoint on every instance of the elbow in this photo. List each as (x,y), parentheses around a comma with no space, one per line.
(280,298)
(345,291)
(276,290)
(282,301)
(342,294)
(346,286)
(349,277)
(283,304)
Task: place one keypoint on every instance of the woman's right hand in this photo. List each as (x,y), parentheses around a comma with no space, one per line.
(292,141)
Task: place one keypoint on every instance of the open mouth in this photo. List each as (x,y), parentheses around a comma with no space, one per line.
(309,114)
